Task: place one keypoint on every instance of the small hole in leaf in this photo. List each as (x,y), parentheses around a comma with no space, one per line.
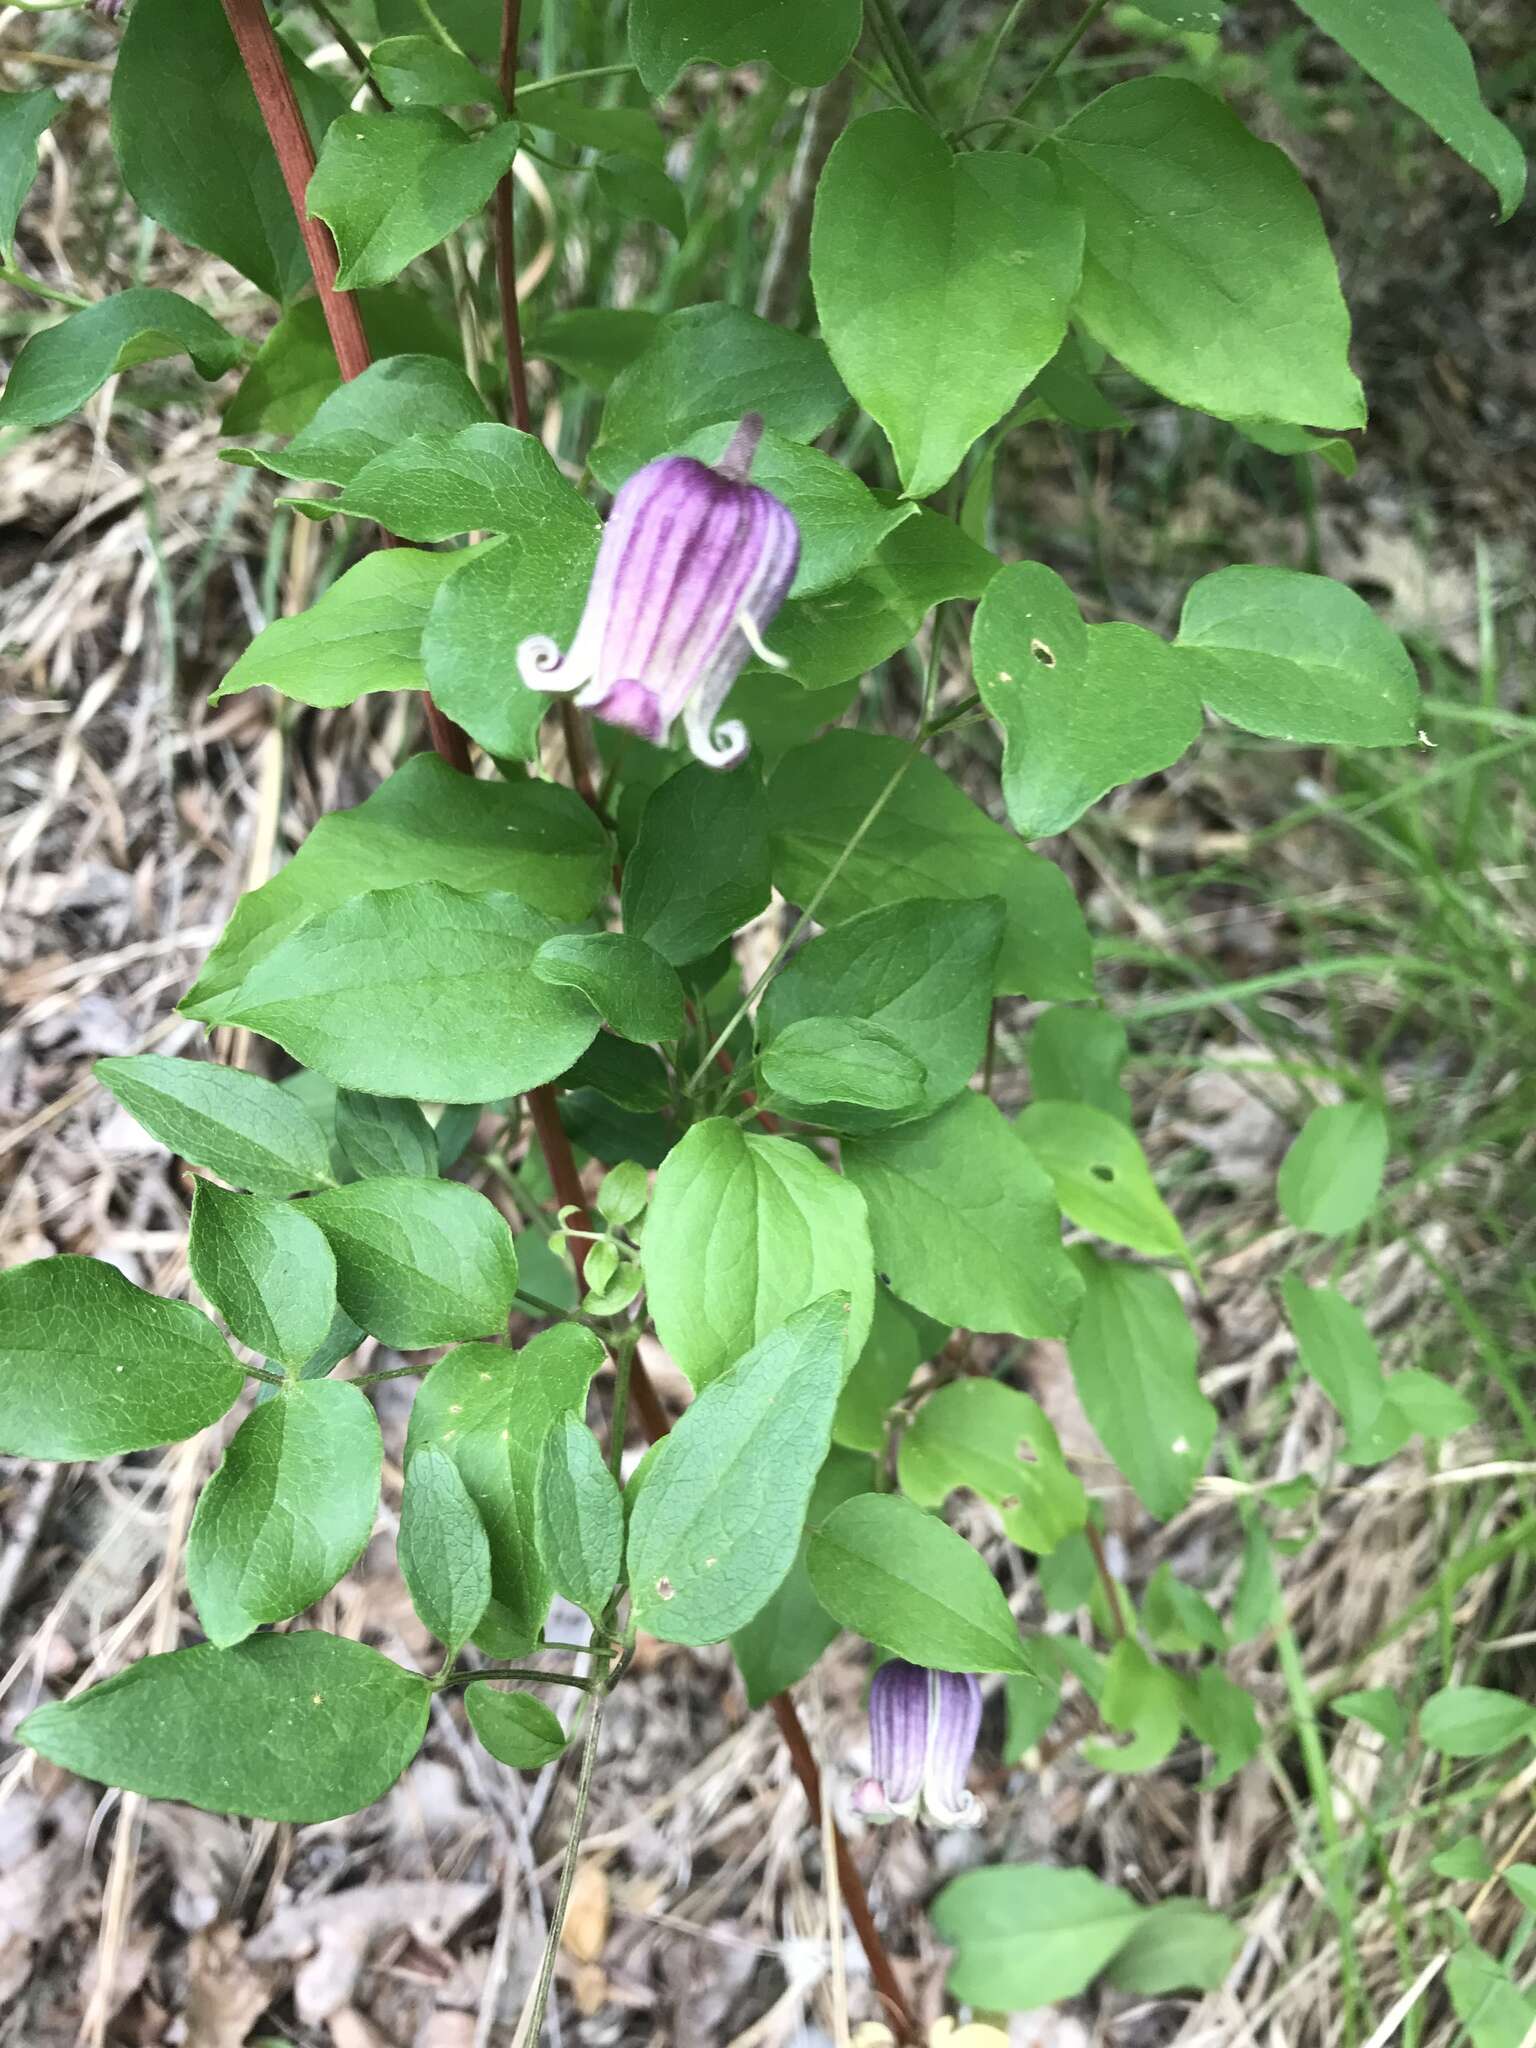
(1025,1452)
(1102,1172)
(1008,1502)
(664,1589)
(1042,654)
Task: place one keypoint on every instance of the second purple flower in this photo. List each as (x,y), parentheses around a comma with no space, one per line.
(695,560)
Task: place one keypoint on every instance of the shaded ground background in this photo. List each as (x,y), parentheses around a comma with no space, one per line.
(134,567)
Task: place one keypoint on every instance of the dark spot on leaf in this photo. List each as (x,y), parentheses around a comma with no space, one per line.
(1008,1502)
(1025,1452)
(1102,1172)
(1042,654)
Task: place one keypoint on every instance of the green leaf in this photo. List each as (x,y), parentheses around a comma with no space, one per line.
(706,364)
(193,147)
(57,369)
(391,401)
(425,824)
(1066,386)
(1222,1716)
(1206,269)
(1133,1358)
(1339,1352)
(1380,1708)
(1083,708)
(742,1232)
(1427,1406)
(964,1223)
(1031,1705)
(921,973)
(391,186)
(836,636)
(640,191)
(420,991)
(630,986)
(534,581)
(432,486)
(580,1514)
(517,1729)
(635,1079)
(883,1568)
(1493,2012)
(1330,1179)
(1298,658)
(1078,1055)
(989,259)
(24,116)
(288,1511)
(363,634)
(1101,1176)
(717,1523)
(830,1062)
(1179,1945)
(593,343)
(900,1340)
(91,1366)
(384,1135)
(246,1130)
(1474,1720)
(302,1727)
(616,131)
(699,870)
(491,1411)
(1521,1879)
(1139,1699)
(809,41)
(1465,1862)
(419,1262)
(295,369)
(624,1194)
(926,840)
(266,1268)
(1418,56)
(444,1553)
(1179,1619)
(778,1646)
(1027,1934)
(1000,1444)
(841,521)
(420,71)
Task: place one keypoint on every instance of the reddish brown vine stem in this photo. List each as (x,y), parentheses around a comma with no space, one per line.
(263,63)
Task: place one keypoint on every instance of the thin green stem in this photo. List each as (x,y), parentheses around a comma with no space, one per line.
(395,1372)
(429,15)
(519,1672)
(530,2034)
(9,274)
(355,54)
(549,1308)
(900,56)
(1006,27)
(722,1038)
(526,92)
(618,1424)
(1085,21)
(270,1379)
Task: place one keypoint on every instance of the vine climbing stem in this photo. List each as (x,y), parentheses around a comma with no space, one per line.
(262,59)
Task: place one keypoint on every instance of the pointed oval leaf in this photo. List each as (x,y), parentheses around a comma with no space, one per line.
(58,368)
(444,1552)
(1028,1934)
(384,1135)
(23,118)
(631,987)
(267,1269)
(247,1130)
(91,1366)
(1330,1179)
(699,869)
(1101,1176)
(580,1517)
(779,1645)
(419,1262)
(302,1727)
(288,1511)
(907,1582)
(517,1729)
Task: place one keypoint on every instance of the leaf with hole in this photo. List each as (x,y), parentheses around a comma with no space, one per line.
(1101,1176)
(287,1512)
(998,1443)
(1134,1362)
(1083,708)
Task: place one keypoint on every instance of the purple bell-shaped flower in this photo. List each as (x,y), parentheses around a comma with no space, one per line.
(922,1734)
(694,563)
